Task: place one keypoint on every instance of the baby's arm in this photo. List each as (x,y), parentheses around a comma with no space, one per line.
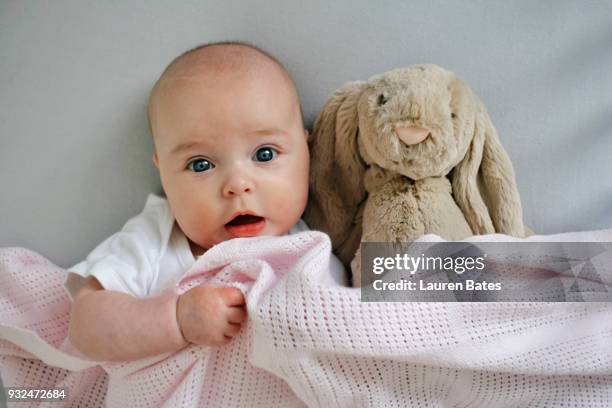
(113,326)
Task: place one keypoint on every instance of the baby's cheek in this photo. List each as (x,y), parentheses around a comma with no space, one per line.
(288,193)
(293,204)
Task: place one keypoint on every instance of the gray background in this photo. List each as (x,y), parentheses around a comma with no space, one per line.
(75,150)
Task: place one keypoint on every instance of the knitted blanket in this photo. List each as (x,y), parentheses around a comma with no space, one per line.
(311,342)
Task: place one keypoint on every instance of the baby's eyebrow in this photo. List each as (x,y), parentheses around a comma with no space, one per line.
(185,146)
(269,132)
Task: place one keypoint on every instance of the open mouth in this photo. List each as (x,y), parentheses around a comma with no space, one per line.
(245,225)
(245,219)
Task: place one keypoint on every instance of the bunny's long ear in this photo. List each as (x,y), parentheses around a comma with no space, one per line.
(484,184)
(336,168)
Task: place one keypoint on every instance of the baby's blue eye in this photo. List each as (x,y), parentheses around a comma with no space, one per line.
(200,165)
(265,154)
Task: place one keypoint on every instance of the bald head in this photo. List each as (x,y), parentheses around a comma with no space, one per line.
(229,60)
(223,57)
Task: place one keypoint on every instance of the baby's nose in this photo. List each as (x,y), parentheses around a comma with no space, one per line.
(412,134)
(237,186)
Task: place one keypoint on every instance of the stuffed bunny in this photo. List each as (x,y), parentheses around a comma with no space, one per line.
(411,151)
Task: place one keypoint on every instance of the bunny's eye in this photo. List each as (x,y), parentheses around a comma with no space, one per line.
(382,99)
(453,116)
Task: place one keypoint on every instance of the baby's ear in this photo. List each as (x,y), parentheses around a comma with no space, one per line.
(155,160)
(307,135)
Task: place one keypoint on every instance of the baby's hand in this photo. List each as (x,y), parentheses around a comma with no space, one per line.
(210,315)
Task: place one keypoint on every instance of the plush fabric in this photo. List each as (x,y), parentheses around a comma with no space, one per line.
(310,341)
(369,183)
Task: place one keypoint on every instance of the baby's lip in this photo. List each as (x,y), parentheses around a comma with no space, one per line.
(239,213)
(249,226)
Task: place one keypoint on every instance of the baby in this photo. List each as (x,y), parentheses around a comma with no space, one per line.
(232,154)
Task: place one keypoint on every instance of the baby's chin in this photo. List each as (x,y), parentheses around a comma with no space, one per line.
(263,227)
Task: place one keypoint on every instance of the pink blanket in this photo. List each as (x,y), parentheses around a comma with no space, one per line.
(311,342)
(35,315)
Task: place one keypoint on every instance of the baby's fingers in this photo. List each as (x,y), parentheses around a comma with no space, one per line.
(236,315)
(231,330)
(232,296)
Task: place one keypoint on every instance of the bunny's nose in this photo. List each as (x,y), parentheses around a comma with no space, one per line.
(411,135)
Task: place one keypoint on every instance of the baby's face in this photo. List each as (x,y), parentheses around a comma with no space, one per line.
(232,155)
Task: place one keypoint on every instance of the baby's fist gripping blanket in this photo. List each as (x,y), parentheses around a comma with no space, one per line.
(310,341)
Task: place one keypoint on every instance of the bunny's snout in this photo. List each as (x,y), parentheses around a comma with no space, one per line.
(412,134)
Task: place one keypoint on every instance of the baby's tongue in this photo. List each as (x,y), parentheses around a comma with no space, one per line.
(244,219)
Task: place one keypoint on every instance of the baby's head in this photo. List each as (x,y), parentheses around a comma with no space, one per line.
(230,144)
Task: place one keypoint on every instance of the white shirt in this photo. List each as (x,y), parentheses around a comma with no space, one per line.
(130,260)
